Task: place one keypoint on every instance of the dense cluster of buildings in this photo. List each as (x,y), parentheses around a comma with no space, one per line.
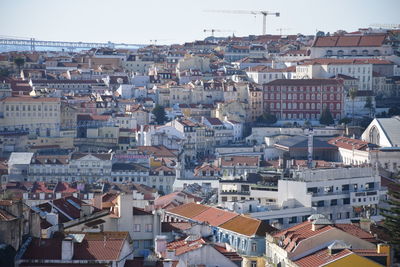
(209,153)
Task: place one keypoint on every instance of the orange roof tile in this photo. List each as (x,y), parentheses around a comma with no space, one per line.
(247,226)
(189,210)
(321,258)
(214,216)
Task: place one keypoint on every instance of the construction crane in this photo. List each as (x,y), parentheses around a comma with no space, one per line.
(249,12)
(216,30)
(282,29)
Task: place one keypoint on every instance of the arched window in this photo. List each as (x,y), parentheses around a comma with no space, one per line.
(365,52)
(354,52)
(340,53)
(329,53)
(376,52)
(374,136)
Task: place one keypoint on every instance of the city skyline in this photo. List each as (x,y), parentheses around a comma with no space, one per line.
(135,22)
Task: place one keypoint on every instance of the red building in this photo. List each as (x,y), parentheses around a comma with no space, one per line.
(304,98)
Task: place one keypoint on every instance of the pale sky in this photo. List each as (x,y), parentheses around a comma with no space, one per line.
(177,21)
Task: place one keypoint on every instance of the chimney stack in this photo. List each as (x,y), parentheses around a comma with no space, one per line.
(67,248)
(160,244)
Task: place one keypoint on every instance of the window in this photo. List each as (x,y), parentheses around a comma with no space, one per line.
(136,227)
(148,244)
(253,247)
(149,228)
(333,202)
(253,264)
(293,219)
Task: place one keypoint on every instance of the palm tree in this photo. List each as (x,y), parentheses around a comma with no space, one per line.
(353,93)
(19,61)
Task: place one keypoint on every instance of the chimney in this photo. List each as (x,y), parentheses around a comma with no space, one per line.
(67,248)
(86,209)
(52,218)
(365,224)
(160,244)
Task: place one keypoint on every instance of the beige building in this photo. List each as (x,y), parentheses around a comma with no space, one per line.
(38,116)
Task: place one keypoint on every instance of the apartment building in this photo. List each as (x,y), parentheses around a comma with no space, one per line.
(304,99)
(361,69)
(351,46)
(38,116)
(74,167)
(339,194)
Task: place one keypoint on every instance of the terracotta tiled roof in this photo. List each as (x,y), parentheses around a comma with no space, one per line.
(348,143)
(214,216)
(95,246)
(247,226)
(158,151)
(350,61)
(189,210)
(182,246)
(239,161)
(321,258)
(355,230)
(349,41)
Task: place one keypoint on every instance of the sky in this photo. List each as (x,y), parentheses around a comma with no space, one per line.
(178,21)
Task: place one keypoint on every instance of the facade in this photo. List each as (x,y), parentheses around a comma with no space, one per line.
(304,99)
(351,46)
(36,115)
(319,242)
(339,194)
(383,132)
(361,69)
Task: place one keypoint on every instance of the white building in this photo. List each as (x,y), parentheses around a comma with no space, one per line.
(339,194)
(384,132)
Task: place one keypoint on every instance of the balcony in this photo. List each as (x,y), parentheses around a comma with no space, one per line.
(235,192)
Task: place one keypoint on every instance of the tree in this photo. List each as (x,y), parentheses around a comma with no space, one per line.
(392,218)
(353,94)
(307,124)
(369,105)
(345,120)
(393,111)
(267,118)
(159,113)
(19,61)
(326,117)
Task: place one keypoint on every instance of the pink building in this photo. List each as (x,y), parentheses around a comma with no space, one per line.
(304,98)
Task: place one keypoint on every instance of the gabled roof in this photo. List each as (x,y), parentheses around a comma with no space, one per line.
(101,156)
(391,128)
(184,246)
(301,142)
(189,210)
(247,226)
(214,216)
(322,257)
(105,246)
(350,41)
(229,161)
(348,143)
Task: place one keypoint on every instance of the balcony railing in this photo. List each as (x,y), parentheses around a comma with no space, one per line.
(234,192)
